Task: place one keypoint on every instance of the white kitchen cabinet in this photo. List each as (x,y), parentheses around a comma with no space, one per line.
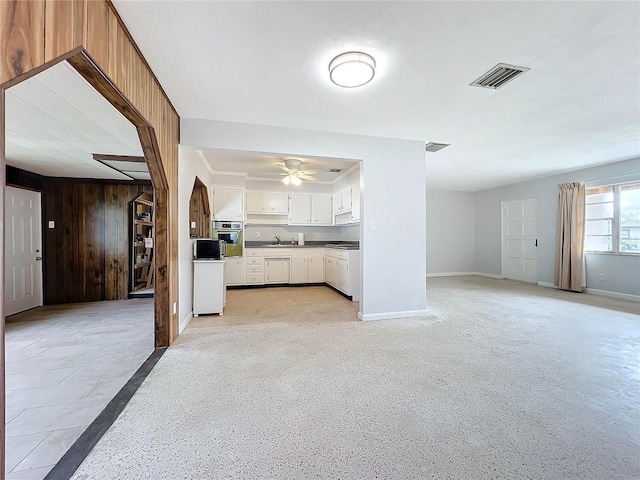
(234,272)
(277,270)
(307,269)
(336,203)
(355,202)
(228,203)
(209,289)
(254,264)
(299,209)
(299,270)
(278,203)
(346,199)
(342,277)
(342,271)
(331,271)
(315,269)
(321,210)
(256,202)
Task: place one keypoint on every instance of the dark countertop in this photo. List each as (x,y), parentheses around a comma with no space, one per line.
(310,244)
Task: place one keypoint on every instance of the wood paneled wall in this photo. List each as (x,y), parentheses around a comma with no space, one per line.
(35,32)
(199,210)
(87,253)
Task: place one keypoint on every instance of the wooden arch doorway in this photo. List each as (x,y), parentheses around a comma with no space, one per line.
(83,64)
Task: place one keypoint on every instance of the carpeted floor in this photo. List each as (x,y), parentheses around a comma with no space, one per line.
(504,380)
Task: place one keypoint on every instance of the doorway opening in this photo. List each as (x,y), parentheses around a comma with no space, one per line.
(73,339)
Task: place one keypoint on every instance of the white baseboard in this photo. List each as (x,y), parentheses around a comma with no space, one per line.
(605,293)
(450,274)
(388,315)
(489,275)
(184,322)
(602,293)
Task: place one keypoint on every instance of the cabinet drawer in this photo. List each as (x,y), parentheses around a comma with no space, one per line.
(253,252)
(255,268)
(343,255)
(255,261)
(334,253)
(255,278)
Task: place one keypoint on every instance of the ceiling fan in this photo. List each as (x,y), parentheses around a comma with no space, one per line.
(294,174)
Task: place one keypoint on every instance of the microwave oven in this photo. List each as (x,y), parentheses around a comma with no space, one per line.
(206,248)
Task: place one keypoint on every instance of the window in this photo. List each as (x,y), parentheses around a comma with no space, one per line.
(612,220)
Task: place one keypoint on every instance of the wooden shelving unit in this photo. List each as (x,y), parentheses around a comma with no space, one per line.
(142,263)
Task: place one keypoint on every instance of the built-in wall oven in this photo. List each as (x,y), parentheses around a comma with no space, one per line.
(231,233)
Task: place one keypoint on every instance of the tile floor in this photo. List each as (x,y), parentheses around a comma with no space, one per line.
(64,363)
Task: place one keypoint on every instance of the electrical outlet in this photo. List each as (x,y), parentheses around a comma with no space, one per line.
(601,277)
(257,234)
(193,224)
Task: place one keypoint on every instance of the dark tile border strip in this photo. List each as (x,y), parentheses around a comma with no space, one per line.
(70,461)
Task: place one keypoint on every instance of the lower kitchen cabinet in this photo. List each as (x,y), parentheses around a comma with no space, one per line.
(331,271)
(315,270)
(307,270)
(234,272)
(342,280)
(277,270)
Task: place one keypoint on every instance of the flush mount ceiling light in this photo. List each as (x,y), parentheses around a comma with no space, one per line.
(352,69)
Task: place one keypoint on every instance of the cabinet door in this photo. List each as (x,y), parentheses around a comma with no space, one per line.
(321,209)
(299,270)
(256,202)
(234,272)
(299,209)
(345,196)
(337,202)
(277,270)
(227,203)
(342,283)
(355,202)
(315,270)
(330,271)
(278,203)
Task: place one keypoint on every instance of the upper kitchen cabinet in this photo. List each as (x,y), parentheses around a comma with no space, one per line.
(299,209)
(321,210)
(258,203)
(346,205)
(307,209)
(278,203)
(228,203)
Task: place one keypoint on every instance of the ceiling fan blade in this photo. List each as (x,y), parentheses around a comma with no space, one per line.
(307,177)
(310,172)
(284,167)
(273,173)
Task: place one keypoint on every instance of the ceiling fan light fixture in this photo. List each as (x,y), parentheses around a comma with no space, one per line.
(296,181)
(352,69)
(287,180)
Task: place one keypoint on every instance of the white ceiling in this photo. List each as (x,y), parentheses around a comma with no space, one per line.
(267,63)
(263,165)
(56,121)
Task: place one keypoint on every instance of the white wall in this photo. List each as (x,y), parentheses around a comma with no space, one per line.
(189,165)
(450,232)
(622,272)
(393,185)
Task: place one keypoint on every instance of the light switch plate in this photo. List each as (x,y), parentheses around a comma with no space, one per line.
(52,224)
(373,225)
(193,224)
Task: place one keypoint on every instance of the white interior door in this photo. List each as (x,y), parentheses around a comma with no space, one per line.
(23,250)
(519,240)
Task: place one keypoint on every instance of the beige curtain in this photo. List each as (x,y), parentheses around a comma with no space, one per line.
(570,237)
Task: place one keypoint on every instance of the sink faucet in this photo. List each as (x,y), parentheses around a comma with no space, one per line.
(277,238)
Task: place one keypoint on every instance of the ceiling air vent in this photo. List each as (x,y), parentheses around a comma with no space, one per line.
(498,76)
(334,170)
(434,147)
